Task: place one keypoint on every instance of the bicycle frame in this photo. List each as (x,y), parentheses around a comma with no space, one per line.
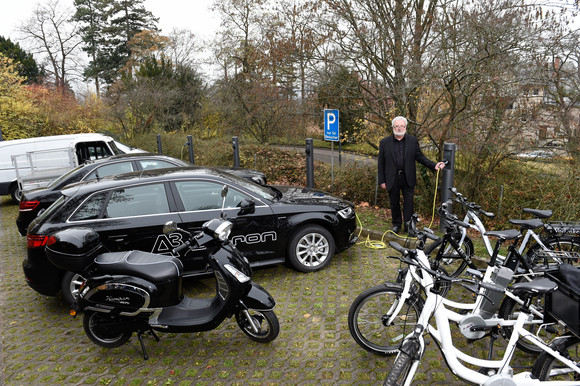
(441,332)
(412,276)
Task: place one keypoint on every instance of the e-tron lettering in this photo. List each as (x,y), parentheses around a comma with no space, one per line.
(255,238)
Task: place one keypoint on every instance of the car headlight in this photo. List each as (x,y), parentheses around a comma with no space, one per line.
(346,212)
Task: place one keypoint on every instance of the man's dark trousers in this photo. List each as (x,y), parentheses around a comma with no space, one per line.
(400,185)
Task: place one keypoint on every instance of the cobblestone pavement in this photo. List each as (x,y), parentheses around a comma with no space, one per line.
(41,344)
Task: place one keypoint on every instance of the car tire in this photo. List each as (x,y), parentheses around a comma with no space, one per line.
(15,193)
(70,286)
(311,248)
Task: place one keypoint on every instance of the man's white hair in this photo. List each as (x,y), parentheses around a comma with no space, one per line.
(399,118)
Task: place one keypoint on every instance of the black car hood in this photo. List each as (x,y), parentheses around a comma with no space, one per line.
(308,196)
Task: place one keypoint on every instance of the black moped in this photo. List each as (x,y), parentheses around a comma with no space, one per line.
(141,292)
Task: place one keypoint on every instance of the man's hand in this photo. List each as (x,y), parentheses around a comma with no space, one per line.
(383,185)
(439,166)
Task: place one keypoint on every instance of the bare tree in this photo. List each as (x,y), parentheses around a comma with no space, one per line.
(52,35)
(386,42)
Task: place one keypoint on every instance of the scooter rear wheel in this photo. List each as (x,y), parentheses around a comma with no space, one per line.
(265,321)
(105,330)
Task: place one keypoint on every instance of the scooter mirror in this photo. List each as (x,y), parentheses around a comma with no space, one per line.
(169,227)
(224,191)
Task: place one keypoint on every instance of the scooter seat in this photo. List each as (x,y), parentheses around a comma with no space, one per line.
(148,266)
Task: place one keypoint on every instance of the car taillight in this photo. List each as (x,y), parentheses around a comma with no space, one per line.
(28,205)
(35,241)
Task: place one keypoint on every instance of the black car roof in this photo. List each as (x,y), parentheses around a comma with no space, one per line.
(137,156)
(87,187)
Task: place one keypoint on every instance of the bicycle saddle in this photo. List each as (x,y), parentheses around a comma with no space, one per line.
(539,212)
(528,224)
(509,234)
(537,286)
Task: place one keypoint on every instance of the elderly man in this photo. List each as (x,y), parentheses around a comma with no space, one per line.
(397,172)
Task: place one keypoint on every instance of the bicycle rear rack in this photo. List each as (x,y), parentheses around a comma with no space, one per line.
(563,227)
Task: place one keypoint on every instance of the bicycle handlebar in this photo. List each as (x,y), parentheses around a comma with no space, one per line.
(468,204)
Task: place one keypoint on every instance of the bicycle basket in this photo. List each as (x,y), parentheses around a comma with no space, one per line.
(564,303)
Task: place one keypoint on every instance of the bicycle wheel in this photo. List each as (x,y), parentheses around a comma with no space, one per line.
(368,314)
(450,258)
(565,243)
(548,368)
(509,310)
(401,369)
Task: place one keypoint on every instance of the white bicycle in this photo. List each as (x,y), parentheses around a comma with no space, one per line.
(558,363)
(562,236)
(381,316)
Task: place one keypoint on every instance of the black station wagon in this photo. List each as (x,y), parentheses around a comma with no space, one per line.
(301,226)
(35,201)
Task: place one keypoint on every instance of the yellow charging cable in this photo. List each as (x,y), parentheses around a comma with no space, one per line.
(373,244)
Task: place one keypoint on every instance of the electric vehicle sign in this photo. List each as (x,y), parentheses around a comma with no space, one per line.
(331,125)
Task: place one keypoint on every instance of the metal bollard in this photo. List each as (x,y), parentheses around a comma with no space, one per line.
(235,146)
(159,150)
(309,163)
(448,172)
(190,149)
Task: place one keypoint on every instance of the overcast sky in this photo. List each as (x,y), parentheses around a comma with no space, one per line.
(190,14)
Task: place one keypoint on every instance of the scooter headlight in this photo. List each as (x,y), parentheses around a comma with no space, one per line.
(222,232)
(242,278)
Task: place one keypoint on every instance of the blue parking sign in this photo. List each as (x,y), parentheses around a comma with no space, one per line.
(331,125)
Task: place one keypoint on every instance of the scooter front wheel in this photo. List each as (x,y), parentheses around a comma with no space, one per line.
(106,330)
(261,326)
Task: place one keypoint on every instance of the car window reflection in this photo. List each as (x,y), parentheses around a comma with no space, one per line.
(205,195)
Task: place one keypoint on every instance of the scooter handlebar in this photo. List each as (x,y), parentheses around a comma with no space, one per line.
(180,248)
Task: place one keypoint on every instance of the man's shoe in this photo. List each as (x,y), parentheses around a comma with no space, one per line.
(396,228)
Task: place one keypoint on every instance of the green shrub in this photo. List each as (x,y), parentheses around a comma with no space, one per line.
(525,184)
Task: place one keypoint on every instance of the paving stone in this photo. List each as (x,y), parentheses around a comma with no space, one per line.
(41,344)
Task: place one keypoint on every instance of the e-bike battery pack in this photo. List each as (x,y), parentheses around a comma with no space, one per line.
(501,277)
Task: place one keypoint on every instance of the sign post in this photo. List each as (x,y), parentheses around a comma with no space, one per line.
(331,133)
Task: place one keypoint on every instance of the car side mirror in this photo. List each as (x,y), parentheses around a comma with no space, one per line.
(247,207)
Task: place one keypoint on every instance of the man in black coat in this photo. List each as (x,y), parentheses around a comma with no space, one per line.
(397,172)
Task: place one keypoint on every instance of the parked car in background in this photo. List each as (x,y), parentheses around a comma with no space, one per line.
(42,159)
(536,154)
(35,201)
(301,226)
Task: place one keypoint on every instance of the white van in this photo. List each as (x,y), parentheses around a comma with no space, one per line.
(23,157)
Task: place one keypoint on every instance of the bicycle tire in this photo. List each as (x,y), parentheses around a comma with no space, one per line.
(450,258)
(543,368)
(402,365)
(565,243)
(508,310)
(366,315)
